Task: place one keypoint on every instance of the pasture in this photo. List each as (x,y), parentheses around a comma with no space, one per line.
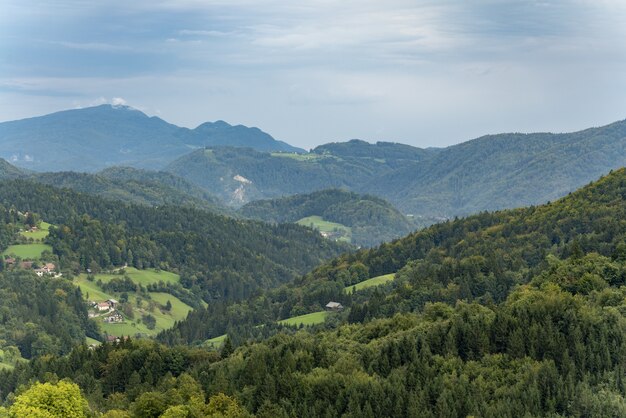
(374,281)
(336,230)
(27,251)
(306,319)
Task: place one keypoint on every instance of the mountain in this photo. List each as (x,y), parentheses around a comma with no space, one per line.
(239,175)
(488,173)
(371,220)
(97,137)
(503,171)
(221,133)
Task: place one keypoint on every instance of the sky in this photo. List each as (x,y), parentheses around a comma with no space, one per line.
(425,73)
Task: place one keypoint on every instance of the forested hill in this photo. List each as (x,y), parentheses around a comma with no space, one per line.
(93,138)
(217,257)
(134,186)
(371,220)
(504,171)
(513,313)
(488,173)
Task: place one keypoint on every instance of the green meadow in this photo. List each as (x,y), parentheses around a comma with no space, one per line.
(27,251)
(317,222)
(374,281)
(38,235)
(307,319)
(153,303)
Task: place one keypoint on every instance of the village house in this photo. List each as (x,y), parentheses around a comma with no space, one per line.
(115,317)
(334,306)
(103,306)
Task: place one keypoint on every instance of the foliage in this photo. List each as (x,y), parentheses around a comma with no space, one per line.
(62,400)
(372,220)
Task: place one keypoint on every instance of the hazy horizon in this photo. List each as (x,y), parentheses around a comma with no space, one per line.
(425,73)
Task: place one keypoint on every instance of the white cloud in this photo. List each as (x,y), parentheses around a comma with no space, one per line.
(118,101)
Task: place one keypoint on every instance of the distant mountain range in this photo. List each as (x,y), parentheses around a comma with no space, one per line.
(238,164)
(488,173)
(94,138)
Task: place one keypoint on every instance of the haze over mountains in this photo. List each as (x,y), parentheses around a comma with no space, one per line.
(238,164)
(97,137)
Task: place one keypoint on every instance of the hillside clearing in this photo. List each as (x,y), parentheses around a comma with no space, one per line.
(328,229)
(27,251)
(307,319)
(374,281)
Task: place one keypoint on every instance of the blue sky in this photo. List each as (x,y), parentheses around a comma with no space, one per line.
(426,73)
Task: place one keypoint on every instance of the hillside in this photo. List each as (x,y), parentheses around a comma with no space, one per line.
(372,220)
(503,171)
(134,186)
(94,138)
(512,313)
(239,176)
(488,173)
(221,258)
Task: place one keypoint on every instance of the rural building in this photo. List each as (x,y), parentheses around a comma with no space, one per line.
(334,306)
(112,303)
(9,261)
(103,306)
(114,318)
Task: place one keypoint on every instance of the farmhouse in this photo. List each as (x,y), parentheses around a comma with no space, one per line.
(114,318)
(103,306)
(334,306)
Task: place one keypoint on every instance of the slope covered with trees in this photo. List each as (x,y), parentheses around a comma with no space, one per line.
(372,220)
(488,173)
(217,257)
(513,313)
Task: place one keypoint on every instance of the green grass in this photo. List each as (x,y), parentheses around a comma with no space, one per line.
(38,235)
(374,281)
(307,319)
(317,222)
(90,341)
(132,327)
(299,157)
(144,277)
(27,251)
(215,342)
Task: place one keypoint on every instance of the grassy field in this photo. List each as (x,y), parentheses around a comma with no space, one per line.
(374,281)
(27,251)
(38,235)
(308,319)
(90,341)
(317,222)
(164,319)
(144,277)
(298,157)
(215,342)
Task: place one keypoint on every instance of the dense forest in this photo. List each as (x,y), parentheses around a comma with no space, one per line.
(217,257)
(372,220)
(513,313)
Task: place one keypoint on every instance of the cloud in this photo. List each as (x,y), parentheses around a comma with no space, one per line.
(118,101)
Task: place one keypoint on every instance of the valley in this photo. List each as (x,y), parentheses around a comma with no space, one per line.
(251,274)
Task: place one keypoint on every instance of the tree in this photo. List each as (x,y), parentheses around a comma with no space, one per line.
(168,305)
(46,400)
